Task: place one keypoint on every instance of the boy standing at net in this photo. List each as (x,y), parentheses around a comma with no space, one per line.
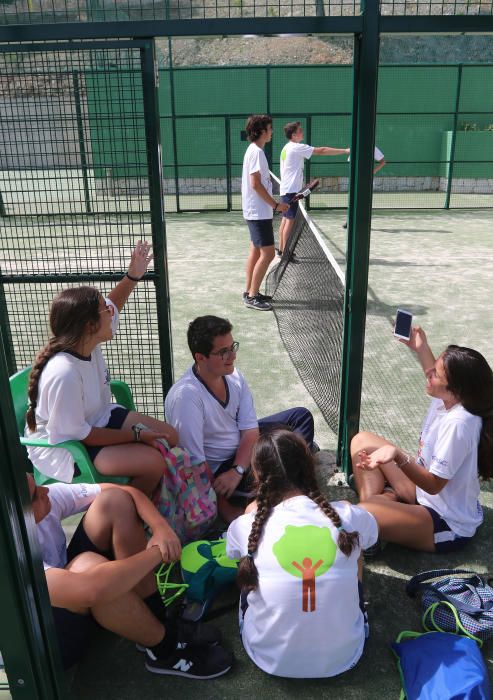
(258,210)
(292,161)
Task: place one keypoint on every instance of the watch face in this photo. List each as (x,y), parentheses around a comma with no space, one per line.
(240,469)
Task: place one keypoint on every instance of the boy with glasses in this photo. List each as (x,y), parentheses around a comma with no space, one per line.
(212,408)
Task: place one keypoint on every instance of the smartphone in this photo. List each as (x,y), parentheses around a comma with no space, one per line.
(403,324)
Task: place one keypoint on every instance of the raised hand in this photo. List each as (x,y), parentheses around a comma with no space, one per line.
(140,259)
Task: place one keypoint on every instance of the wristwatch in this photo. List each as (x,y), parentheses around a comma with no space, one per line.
(137,431)
(239,469)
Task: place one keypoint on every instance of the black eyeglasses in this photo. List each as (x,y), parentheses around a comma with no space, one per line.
(227,352)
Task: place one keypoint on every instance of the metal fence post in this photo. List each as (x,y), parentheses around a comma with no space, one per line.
(158,226)
(82,143)
(229,186)
(27,637)
(450,169)
(366,55)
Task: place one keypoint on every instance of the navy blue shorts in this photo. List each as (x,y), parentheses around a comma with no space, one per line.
(117,419)
(74,631)
(445,539)
(293,206)
(261,232)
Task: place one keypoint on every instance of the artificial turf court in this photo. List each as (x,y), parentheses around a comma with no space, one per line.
(438,264)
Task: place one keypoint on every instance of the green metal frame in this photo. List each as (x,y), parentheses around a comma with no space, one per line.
(32,663)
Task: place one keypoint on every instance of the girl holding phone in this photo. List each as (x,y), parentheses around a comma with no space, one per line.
(430,502)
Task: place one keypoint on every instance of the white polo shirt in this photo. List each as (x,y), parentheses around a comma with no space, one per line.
(209,429)
(74,396)
(448,447)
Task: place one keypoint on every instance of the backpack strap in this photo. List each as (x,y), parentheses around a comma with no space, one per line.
(460,606)
(429,613)
(421,580)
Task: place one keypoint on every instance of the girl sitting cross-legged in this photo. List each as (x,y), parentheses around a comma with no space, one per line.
(430,502)
(69,390)
(301,611)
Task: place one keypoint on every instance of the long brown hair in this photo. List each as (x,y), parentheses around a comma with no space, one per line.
(283,464)
(470,379)
(71,312)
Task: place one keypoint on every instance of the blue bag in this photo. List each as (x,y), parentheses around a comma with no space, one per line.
(441,666)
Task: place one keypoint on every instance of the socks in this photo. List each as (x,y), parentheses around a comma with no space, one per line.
(166,646)
(155,605)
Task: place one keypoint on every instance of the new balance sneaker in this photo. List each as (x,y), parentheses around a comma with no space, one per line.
(257,303)
(191,661)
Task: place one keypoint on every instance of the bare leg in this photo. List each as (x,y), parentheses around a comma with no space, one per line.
(402,523)
(372,482)
(159,426)
(112,524)
(127,616)
(253,256)
(142,462)
(266,255)
(286,232)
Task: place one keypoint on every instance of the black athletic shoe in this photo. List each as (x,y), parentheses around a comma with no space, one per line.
(344,225)
(191,662)
(264,297)
(245,295)
(279,252)
(257,303)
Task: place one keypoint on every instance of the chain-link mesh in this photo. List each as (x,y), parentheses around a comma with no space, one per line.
(75,195)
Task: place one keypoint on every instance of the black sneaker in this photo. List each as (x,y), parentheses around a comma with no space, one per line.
(257,303)
(344,225)
(279,252)
(191,662)
(245,295)
(264,297)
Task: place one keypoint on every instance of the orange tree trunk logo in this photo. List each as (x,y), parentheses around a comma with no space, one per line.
(306,552)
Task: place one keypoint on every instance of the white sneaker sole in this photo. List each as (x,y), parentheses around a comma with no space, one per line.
(184,674)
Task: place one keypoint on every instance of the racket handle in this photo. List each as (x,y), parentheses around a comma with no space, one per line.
(306,192)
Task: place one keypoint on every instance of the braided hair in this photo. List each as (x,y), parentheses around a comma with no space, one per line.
(70,313)
(282,465)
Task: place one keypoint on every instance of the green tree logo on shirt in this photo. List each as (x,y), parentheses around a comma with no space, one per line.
(306,552)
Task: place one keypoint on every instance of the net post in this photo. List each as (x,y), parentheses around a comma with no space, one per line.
(366,57)
(158,225)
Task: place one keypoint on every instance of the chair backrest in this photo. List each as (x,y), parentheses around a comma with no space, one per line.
(18,388)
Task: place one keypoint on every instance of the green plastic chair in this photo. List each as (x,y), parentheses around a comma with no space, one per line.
(88,473)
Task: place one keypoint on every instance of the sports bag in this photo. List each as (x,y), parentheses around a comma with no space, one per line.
(441,666)
(455,600)
(206,573)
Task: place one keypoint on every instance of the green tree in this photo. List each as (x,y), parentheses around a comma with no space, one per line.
(305,542)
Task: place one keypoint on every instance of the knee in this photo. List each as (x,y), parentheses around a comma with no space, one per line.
(360,442)
(268,253)
(115,501)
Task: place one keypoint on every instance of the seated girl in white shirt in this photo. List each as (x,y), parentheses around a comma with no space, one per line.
(69,390)
(430,502)
(301,613)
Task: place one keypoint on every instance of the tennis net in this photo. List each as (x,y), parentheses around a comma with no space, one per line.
(308,290)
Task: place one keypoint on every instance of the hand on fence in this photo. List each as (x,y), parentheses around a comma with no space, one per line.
(140,259)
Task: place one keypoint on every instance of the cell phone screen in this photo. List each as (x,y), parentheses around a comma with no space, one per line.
(403,324)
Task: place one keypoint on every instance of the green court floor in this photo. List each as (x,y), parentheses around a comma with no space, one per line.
(439,264)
